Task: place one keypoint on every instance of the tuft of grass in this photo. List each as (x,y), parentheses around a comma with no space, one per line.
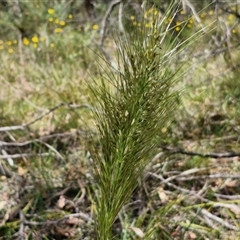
(134,103)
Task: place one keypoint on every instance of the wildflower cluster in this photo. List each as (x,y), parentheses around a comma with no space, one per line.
(8,45)
(181,20)
(229,18)
(56,23)
(149,17)
(35,41)
(38,40)
(177,21)
(231,21)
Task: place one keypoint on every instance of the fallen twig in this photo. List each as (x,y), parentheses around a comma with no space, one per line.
(219,220)
(41,139)
(21,228)
(105,19)
(21,155)
(204,155)
(81,215)
(187,3)
(183,190)
(233,197)
(213,176)
(5,171)
(83,192)
(187,172)
(24,126)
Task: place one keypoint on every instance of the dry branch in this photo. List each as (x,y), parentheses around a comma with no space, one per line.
(218,220)
(80,215)
(24,126)
(214,176)
(180,189)
(186,4)
(103,29)
(203,155)
(22,155)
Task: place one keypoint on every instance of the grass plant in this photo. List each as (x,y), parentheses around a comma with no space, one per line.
(134,103)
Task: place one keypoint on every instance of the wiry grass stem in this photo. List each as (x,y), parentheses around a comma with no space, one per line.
(134,105)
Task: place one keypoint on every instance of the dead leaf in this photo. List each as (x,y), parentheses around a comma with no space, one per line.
(219,183)
(22,171)
(191,235)
(230,183)
(138,231)
(235,209)
(73,130)
(61,202)
(177,232)
(3,178)
(67,232)
(2,204)
(162,195)
(74,221)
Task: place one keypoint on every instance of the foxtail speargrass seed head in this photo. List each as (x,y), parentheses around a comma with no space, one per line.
(134,102)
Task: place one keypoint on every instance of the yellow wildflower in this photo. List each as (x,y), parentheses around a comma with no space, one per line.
(1,47)
(58,30)
(42,39)
(211,12)
(231,17)
(234,31)
(51,11)
(203,15)
(177,29)
(9,43)
(148,25)
(52,45)
(10,50)
(70,16)
(62,23)
(164,130)
(132,17)
(1,41)
(15,41)
(50,19)
(57,21)
(169,20)
(35,39)
(35,45)
(25,41)
(150,10)
(182,12)
(95,27)
(191,21)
